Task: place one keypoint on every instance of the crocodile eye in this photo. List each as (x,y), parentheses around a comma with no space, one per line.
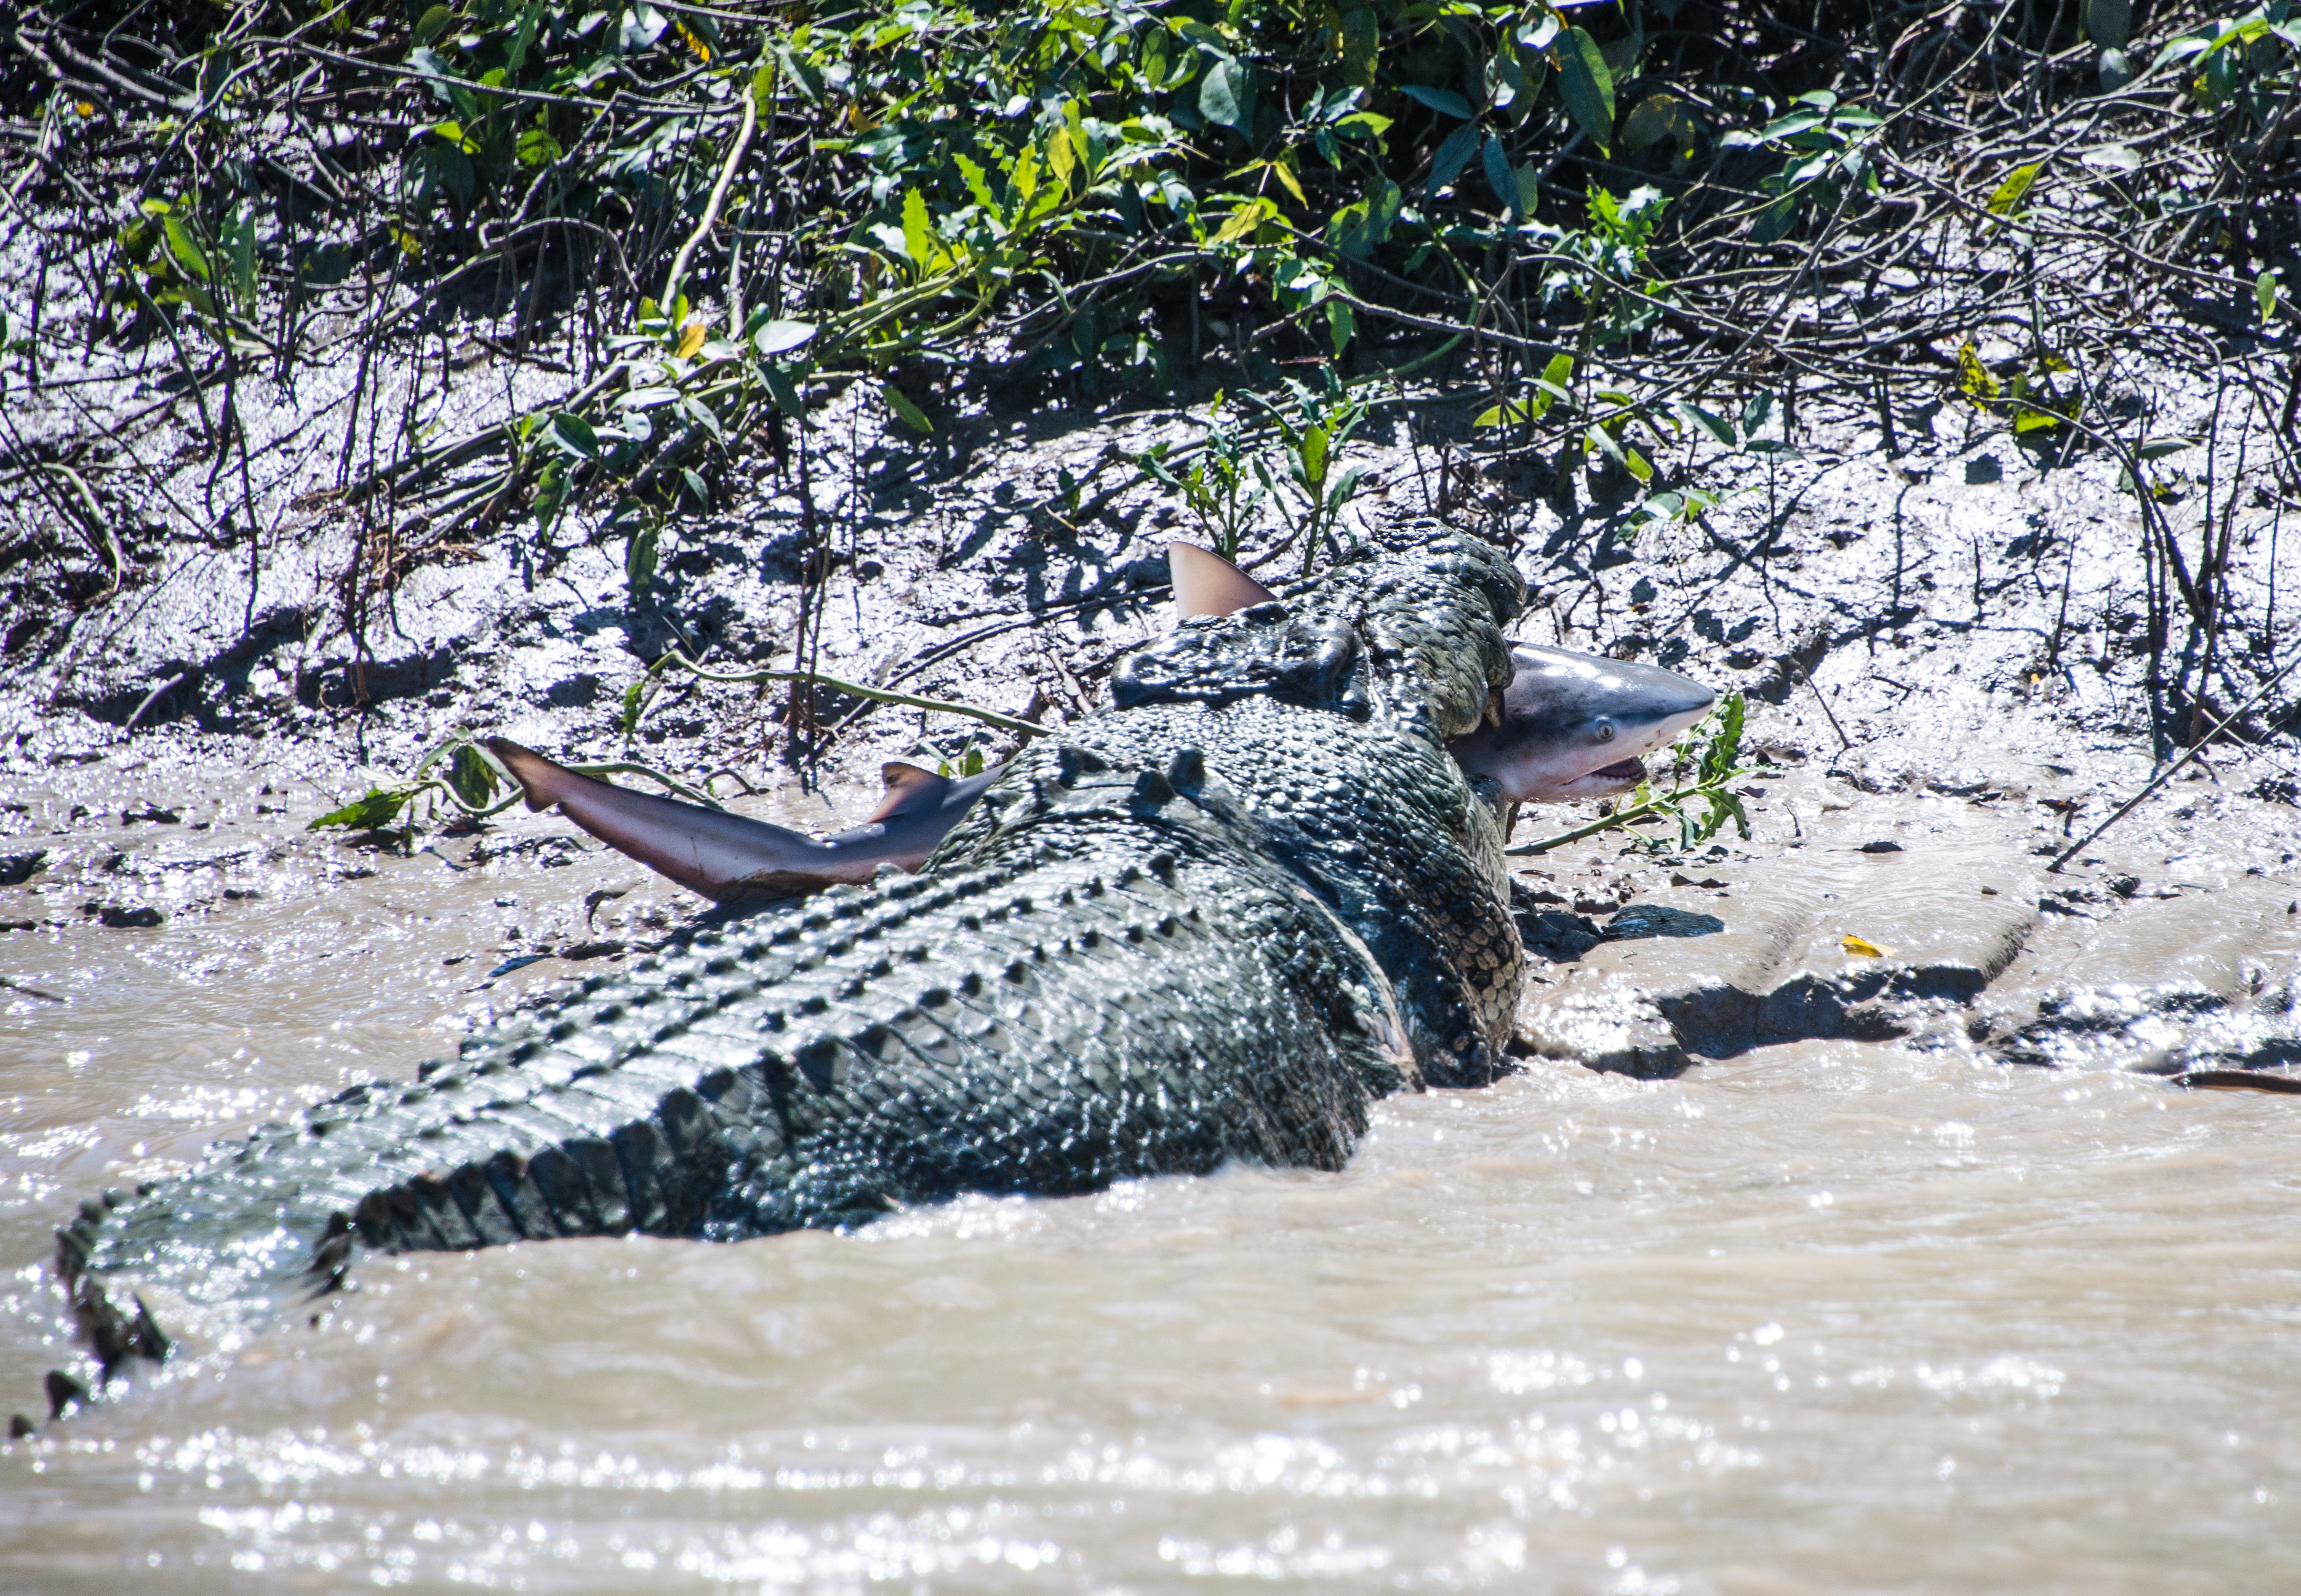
(1605,730)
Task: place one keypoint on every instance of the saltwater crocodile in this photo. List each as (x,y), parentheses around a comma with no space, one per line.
(1215,921)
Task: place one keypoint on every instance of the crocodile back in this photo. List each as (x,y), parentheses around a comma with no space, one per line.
(1215,923)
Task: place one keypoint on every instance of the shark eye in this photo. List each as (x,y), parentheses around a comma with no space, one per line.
(1605,730)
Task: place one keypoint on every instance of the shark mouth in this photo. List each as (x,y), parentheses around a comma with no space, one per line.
(1632,770)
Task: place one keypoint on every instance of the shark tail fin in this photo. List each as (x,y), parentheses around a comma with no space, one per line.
(542,781)
(1206,584)
(726,857)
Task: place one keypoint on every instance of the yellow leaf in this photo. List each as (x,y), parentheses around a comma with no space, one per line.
(702,51)
(1861,948)
(1973,379)
(1285,170)
(1243,222)
(690,340)
(2008,195)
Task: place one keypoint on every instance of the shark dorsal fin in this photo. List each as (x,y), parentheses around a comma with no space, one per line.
(909,790)
(1206,584)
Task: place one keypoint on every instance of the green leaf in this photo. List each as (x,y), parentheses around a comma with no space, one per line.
(2109,23)
(1587,85)
(639,557)
(918,230)
(372,811)
(1649,122)
(1442,100)
(1756,414)
(2264,293)
(574,436)
(776,338)
(551,486)
(1774,222)
(1452,156)
(1635,464)
(1342,325)
(1226,95)
(432,23)
(472,778)
(1498,175)
(185,249)
(784,391)
(1314,455)
(1718,759)
(1245,221)
(912,416)
(2008,196)
(2164,446)
(1358,230)
(1716,426)
(1558,372)
(978,185)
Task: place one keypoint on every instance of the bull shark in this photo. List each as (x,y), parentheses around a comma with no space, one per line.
(1568,726)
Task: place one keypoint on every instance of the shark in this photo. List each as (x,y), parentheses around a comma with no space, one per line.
(1568,726)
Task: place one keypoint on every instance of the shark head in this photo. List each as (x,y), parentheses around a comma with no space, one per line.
(1575,725)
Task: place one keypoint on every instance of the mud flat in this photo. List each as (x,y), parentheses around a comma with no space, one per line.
(1780,1266)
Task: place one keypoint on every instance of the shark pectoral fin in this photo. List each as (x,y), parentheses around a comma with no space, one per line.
(719,854)
(540,779)
(909,790)
(1206,584)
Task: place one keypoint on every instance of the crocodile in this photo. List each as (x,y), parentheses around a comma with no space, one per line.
(1216,920)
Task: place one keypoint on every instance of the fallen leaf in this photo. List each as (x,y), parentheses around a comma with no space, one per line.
(1861,947)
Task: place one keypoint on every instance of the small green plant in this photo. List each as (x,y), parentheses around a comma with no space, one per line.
(1323,422)
(1710,755)
(1604,263)
(1217,488)
(968,761)
(1826,150)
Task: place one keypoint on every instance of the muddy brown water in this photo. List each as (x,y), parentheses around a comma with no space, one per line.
(1819,1313)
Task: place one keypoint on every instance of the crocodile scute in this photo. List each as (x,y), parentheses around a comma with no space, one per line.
(1215,921)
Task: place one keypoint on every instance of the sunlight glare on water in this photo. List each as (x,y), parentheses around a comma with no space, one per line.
(1830,1316)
